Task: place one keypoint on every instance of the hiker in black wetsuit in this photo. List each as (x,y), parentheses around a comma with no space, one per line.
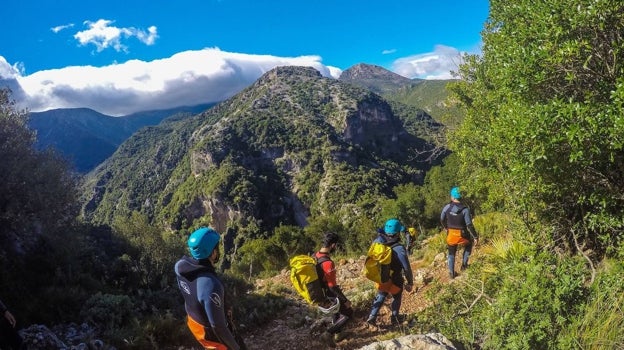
(203,292)
(457,221)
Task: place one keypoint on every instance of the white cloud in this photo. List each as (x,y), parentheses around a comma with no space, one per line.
(104,36)
(186,78)
(61,27)
(432,65)
(8,71)
(387,52)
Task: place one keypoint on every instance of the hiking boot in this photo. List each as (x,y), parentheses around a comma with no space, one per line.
(335,327)
(397,319)
(452,274)
(372,320)
(464,267)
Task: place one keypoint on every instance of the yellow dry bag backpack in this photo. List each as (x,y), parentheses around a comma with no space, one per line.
(304,275)
(378,254)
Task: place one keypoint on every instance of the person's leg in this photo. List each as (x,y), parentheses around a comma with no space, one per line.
(452,249)
(396,306)
(466,255)
(377,303)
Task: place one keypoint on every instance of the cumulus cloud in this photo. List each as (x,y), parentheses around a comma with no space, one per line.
(8,71)
(184,79)
(61,27)
(103,35)
(432,65)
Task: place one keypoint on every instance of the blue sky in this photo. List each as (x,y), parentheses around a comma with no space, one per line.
(119,57)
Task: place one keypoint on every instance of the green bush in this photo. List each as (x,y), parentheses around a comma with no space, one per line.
(109,312)
(535,302)
(600,324)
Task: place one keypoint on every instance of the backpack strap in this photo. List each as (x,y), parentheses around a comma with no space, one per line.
(321,259)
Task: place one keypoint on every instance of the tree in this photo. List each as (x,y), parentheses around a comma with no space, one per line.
(37,190)
(543,130)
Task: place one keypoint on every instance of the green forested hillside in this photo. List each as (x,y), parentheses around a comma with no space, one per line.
(430,96)
(433,97)
(86,138)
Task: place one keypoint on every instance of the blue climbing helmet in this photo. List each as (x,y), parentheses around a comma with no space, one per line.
(393,226)
(202,242)
(455,192)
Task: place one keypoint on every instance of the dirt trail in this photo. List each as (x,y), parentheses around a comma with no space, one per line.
(283,333)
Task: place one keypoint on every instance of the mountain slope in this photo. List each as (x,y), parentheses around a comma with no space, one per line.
(429,95)
(376,78)
(86,137)
(291,145)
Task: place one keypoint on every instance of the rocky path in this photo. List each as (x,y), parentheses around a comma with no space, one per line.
(291,329)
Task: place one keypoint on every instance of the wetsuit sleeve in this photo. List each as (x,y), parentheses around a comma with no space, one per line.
(443,215)
(469,225)
(210,293)
(407,268)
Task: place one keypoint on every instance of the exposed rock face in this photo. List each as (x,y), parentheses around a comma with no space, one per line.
(430,341)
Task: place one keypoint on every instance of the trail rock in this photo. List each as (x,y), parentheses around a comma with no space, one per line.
(430,341)
(62,337)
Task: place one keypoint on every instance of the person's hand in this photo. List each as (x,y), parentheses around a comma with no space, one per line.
(348,304)
(409,288)
(9,316)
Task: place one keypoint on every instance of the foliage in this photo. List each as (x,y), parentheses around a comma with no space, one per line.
(543,118)
(108,311)
(37,191)
(524,305)
(150,253)
(599,325)
(535,306)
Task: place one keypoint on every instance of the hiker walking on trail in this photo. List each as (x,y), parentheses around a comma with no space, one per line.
(330,286)
(9,338)
(204,293)
(392,282)
(456,220)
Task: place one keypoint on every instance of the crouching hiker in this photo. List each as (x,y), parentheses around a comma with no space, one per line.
(204,293)
(331,288)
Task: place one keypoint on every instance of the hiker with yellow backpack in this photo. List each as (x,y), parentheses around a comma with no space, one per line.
(388,253)
(456,220)
(314,278)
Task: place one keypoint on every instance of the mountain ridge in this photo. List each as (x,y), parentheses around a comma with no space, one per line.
(290,140)
(86,137)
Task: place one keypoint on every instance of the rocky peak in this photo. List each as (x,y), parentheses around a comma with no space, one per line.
(288,72)
(364,71)
(376,78)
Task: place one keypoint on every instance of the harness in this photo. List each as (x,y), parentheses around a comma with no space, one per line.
(454,216)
